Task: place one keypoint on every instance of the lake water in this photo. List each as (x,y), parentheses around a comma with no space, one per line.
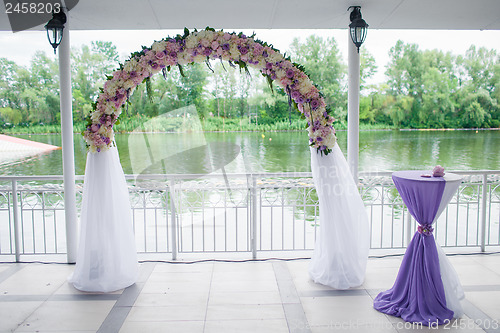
(274,152)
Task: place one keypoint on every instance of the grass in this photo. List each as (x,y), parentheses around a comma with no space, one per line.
(140,123)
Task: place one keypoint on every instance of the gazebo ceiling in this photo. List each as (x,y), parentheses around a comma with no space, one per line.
(279,14)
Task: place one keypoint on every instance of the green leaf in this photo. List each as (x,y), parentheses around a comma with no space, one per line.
(208,65)
(181,70)
(149,89)
(270,83)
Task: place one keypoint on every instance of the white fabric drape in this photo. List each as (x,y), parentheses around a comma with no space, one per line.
(106,259)
(342,243)
(453,290)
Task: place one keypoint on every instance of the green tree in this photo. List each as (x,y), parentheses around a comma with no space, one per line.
(90,65)
(481,68)
(192,88)
(367,67)
(322,61)
(8,87)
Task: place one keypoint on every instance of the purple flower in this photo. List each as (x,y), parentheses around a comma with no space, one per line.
(301,100)
(264,54)
(243,50)
(207,51)
(225,47)
(425,229)
(173,54)
(269,65)
(319,139)
(289,73)
(325,114)
(314,104)
(133,74)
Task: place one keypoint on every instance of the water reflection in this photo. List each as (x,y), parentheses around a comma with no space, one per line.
(286,151)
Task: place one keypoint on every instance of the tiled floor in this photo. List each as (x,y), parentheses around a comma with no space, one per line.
(265,296)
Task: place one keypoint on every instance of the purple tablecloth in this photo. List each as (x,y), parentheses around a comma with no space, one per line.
(418,293)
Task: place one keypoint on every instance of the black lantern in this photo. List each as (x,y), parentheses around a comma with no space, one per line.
(55,29)
(358,27)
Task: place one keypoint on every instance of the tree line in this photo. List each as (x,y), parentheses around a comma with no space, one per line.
(424,88)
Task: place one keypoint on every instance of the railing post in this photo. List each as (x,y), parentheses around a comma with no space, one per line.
(17,238)
(409,229)
(173,220)
(484,201)
(254,217)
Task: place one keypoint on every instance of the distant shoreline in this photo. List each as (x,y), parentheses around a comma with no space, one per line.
(291,130)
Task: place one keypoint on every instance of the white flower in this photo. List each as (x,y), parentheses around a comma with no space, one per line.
(192,41)
(275,57)
(199,58)
(131,65)
(330,140)
(159,46)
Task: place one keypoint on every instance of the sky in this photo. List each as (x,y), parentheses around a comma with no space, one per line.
(21,46)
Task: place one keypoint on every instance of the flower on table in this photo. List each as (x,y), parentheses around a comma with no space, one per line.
(438,171)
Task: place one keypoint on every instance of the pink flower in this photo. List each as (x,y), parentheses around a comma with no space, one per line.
(438,171)
(205,42)
(160,55)
(95,127)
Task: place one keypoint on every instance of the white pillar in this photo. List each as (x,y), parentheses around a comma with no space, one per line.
(353,108)
(68,145)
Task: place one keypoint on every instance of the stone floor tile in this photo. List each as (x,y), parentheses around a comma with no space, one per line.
(13,314)
(241,297)
(167,313)
(36,279)
(341,310)
(487,301)
(163,327)
(245,311)
(68,316)
(247,326)
(172,299)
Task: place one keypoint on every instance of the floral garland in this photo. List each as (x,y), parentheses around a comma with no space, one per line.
(201,46)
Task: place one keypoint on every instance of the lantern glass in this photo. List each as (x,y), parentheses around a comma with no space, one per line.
(55,29)
(358,28)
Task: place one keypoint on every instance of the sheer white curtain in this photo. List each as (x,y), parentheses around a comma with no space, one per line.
(342,243)
(452,287)
(106,259)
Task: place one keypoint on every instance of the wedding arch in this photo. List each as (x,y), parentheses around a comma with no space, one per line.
(106,258)
(202,46)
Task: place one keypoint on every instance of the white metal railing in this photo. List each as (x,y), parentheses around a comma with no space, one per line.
(241,213)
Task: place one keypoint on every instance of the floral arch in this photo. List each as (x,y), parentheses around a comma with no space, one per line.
(107,258)
(201,46)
